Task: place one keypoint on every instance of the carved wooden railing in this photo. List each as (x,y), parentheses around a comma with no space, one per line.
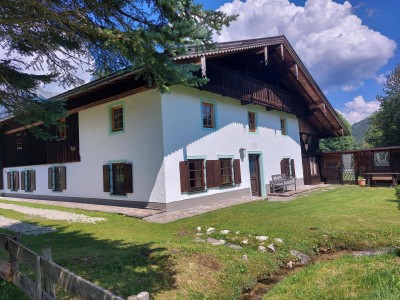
(249,90)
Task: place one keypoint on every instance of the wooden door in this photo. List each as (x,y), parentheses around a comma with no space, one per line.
(255,181)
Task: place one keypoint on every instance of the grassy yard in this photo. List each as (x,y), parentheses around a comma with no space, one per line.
(127,255)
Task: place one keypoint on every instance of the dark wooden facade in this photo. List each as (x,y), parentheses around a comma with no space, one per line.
(36,151)
(362,162)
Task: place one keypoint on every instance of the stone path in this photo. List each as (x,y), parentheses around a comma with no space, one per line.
(127,211)
(24,228)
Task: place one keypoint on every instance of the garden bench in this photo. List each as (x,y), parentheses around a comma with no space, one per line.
(390,176)
(281,182)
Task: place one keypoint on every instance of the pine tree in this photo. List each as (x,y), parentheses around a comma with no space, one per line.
(57,35)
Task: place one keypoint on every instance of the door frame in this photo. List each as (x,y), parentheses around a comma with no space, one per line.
(261,168)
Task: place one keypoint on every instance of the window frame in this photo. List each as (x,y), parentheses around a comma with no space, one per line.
(229,169)
(313,166)
(254,128)
(382,163)
(58,180)
(283,125)
(13,180)
(213,119)
(62,130)
(19,141)
(121,184)
(198,161)
(112,126)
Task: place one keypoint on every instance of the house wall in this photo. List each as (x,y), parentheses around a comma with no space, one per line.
(184,137)
(140,143)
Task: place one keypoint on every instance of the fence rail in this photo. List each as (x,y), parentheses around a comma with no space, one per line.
(47,275)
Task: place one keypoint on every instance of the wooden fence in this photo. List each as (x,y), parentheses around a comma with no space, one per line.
(45,275)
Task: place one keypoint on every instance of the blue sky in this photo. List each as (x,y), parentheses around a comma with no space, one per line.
(348,46)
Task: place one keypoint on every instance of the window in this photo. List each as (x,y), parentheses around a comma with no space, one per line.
(226,171)
(57,178)
(62,130)
(13,180)
(381,159)
(252,121)
(28,180)
(313,166)
(208,115)
(117,178)
(288,168)
(117,118)
(196,174)
(283,126)
(19,141)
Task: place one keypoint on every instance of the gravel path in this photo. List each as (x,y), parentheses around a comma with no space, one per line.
(51,214)
(25,228)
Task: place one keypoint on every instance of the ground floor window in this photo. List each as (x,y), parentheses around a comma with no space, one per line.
(117,178)
(196,175)
(226,171)
(288,168)
(57,178)
(13,180)
(313,166)
(28,180)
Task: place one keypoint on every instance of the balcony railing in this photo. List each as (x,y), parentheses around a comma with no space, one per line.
(239,86)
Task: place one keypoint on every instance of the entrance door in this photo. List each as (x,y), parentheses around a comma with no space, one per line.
(255,182)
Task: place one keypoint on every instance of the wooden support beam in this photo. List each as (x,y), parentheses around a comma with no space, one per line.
(282,53)
(296,68)
(203,66)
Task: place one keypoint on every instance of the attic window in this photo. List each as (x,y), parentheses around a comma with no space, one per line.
(283,126)
(19,141)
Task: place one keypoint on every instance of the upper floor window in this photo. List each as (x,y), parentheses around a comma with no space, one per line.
(208,115)
(252,121)
(283,126)
(19,141)
(381,159)
(62,130)
(117,118)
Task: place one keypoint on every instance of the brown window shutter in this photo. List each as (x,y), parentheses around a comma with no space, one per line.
(9,180)
(236,170)
(128,178)
(210,173)
(184,175)
(217,173)
(32,180)
(283,166)
(23,180)
(106,178)
(50,178)
(63,177)
(292,167)
(16,180)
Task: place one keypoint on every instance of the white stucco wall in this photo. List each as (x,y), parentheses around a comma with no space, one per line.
(140,144)
(184,137)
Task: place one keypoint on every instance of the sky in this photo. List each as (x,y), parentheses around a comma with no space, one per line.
(349,47)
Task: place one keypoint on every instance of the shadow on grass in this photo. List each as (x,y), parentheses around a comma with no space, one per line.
(123,268)
(395,201)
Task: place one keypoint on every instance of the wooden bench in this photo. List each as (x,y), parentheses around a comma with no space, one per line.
(281,182)
(374,177)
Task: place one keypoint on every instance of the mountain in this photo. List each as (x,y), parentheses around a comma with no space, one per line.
(359,129)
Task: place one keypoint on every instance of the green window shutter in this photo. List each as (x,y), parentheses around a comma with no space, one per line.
(184,176)
(106,178)
(236,171)
(62,178)
(23,180)
(16,180)
(128,178)
(32,180)
(50,178)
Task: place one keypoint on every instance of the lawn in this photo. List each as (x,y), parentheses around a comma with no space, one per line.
(127,255)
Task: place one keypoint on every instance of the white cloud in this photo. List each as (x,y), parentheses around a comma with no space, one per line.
(330,39)
(358,109)
(381,78)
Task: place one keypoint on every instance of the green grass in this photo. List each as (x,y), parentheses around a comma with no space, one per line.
(127,255)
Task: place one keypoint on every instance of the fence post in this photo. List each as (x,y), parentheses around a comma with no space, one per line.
(39,295)
(13,257)
(49,287)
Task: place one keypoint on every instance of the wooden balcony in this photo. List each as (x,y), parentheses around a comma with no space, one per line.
(248,90)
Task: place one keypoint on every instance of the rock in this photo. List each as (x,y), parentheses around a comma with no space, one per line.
(199,240)
(215,241)
(199,233)
(262,238)
(246,241)
(262,249)
(278,240)
(244,257)
(271,248)
(237,232)
(236,247)
(199,228)
(210,230)
(224,231)
(304,259)
(290,265)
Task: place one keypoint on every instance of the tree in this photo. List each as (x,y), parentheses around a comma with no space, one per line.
(338,143)
(59,36)
(385,123)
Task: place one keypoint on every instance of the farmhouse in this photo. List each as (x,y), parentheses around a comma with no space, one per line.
(125,143)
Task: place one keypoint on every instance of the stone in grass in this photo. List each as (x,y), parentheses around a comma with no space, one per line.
(237,232)
(225,231)
(210,230)
(199,228)
(290,265)
(262,249)
(215,241)
(303,259)
(199,233)
(199,240)
(261,238)
(244,257)
(271,248)
(235,247)
(278,240)
(246,241)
